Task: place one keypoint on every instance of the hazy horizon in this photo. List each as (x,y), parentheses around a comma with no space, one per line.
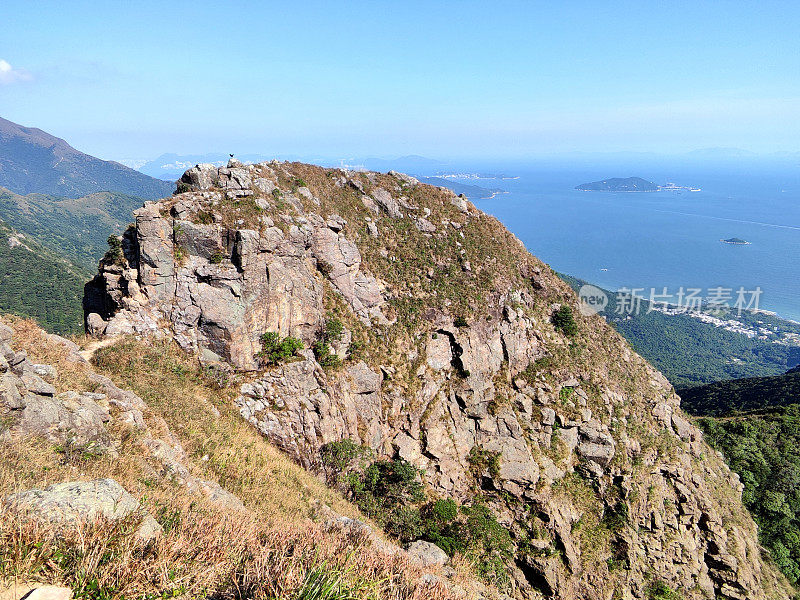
(434,79)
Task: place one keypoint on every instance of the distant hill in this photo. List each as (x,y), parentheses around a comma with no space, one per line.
(40,284)
(75,228)
(619,184)
(753,394)
(32,161)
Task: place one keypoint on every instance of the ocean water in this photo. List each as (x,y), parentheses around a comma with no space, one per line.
(662,239)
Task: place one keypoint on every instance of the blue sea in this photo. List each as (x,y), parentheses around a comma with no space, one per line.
(661,239)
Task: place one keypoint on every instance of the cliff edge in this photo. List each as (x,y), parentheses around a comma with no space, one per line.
(458,352)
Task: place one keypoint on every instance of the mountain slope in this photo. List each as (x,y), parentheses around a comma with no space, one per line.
(37,283)
(392,337)
(76,228)
(192,502)
(32,161)
(754,394)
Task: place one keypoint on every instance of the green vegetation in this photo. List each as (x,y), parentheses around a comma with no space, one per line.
(691,353)
(661,591)
(332,331)
(564,321)
(114,253)
(482,460)
(275,350)
(743,395)
(765,451)
(391,493)
(39,284)
(75,228)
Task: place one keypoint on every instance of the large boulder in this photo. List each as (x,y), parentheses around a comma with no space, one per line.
(77,502)
(426,554)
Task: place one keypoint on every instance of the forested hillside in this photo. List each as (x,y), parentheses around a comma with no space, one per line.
(753,394)
(76,228)
(691,353)
(38,283)
(765,451)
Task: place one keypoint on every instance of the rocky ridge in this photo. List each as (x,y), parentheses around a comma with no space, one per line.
(93,430)
(451,362)
(86,422)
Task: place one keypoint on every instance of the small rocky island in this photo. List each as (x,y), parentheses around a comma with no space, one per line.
(619,184)
(736,240)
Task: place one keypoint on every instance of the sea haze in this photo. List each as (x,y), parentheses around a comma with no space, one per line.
(661,239)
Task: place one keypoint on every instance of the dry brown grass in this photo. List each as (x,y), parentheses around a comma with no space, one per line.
(222,446)
(206,554)
(275,551)
(29,337)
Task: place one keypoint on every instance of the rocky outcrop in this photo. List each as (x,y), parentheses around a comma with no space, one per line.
(221,288)
(82,502)
(578,445)
(78,424)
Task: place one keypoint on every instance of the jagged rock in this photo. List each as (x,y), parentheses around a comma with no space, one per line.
(387,202)
(200,177)
(426,554)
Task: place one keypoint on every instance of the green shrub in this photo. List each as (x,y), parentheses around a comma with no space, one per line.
(482,460)
(460,322)
(332,331)
(564,321)
(114,255)
(338,456)
(275,350)
(181,188)
(661,591)
(489,544)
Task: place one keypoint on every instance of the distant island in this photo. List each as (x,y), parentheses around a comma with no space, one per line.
(735,240)
(619,184)
(631,184)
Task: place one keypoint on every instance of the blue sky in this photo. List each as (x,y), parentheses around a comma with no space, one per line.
(444,79)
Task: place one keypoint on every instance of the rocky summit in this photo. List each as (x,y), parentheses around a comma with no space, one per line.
(455,350)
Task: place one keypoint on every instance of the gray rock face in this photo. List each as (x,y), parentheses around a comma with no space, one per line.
(468,406)
(81,502)
(426,554)
(221,289)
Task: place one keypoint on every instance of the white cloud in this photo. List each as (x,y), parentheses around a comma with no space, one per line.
(9,74)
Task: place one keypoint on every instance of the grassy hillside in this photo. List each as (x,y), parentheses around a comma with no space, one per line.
(691,353)
(274,551)
(39,284)
(76,228)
